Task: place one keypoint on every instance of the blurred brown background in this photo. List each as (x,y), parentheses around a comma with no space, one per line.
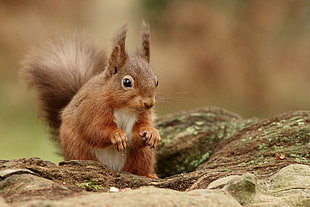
(248,56)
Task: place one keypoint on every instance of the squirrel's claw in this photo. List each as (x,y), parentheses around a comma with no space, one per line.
(150,136)
(119,138)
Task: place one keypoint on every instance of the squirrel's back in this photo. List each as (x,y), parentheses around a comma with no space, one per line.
(58,70)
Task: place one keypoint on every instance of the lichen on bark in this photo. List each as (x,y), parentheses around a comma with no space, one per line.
(207,151)
(190,138)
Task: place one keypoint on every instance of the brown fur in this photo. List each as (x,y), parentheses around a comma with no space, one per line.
(145,36)
(58,70)
(73,77)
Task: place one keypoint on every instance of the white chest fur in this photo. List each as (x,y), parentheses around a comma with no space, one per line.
(125,120)
(109,156)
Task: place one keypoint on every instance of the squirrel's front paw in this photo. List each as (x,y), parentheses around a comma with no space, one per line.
(150,135)
(119,138)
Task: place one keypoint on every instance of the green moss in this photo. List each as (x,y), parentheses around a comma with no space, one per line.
(302,160)
(262,146)
(179,168)
(294,155)
(246,163)
(205,157)
(232,127)
(194,130)
(199,123)
(243,188)
(196,162)
(91,185)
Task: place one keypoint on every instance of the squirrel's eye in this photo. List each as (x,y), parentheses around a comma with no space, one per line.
(127,83)
(156,83)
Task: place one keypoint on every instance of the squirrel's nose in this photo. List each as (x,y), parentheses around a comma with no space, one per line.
(148,103)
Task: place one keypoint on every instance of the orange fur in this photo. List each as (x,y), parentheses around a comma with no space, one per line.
(99,108)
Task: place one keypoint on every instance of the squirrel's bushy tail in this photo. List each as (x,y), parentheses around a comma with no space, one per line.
(58,70)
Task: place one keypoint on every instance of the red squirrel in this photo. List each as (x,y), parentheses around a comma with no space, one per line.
(98,107)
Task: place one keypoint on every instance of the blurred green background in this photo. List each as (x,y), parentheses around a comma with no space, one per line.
(251,57)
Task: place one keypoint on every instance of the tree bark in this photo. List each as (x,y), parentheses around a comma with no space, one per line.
(197,148)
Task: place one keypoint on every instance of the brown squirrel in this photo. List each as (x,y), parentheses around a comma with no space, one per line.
(98,108)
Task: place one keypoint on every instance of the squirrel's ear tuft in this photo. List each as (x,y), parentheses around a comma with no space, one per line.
(118,55)
(145,37)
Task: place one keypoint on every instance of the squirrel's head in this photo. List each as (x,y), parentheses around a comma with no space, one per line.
(131,74)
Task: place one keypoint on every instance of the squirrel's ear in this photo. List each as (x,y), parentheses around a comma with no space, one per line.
(118,55)
(145,37)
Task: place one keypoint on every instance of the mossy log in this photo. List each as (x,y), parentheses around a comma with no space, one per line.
(198,147)
(213,138)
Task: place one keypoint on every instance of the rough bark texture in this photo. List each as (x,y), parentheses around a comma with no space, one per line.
(206,156)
